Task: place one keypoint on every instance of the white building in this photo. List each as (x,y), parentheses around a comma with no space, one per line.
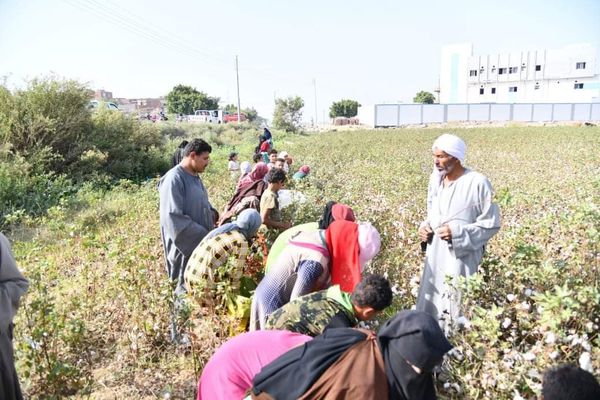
(567,75)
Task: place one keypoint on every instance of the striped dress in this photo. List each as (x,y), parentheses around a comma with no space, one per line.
(301,268)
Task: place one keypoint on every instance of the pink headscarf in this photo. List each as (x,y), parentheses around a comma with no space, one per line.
(258,173)
(305,169)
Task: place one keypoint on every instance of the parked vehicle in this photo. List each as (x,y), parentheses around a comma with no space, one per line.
(210,116)
(233,117)
(96,104)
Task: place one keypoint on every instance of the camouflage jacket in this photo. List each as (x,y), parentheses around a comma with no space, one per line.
(313,313)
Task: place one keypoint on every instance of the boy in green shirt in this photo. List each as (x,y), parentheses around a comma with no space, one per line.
(331,308)
(269,201)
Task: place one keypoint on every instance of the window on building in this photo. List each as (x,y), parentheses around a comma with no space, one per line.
(538,67)
(512,89)
(493,68)
(493,90)
(578,86)
(473,72)
(513,70)
(501,71)
(537,86)
(481,90)
(580,65)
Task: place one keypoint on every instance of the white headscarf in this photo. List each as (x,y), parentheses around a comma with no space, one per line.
(451,144)
(245,167)
(369,243)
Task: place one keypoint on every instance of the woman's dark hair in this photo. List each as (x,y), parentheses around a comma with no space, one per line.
(257,157)
(232,155)
(178,155)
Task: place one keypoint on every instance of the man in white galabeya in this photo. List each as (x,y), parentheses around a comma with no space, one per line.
(461,218)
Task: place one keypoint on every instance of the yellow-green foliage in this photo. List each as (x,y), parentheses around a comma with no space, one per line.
(95,320)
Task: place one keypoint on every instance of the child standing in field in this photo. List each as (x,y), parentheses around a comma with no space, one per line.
(269,202)
(233,166)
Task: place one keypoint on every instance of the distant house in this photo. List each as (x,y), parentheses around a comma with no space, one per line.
(103,95)
(137,105)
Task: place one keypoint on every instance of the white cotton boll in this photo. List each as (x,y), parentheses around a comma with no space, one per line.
(528,292)
(517,396)
(529,356)
(585,362)
(554,354)
(534,373)
(463,322)
(510,297)
(586,345)
(550,338)
(506,323)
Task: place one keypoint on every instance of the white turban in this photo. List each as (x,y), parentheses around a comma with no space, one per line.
(451,144)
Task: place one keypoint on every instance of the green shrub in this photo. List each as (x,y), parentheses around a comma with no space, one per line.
(49,114)
(23,192)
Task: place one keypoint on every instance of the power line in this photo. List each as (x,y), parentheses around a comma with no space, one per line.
(98,11)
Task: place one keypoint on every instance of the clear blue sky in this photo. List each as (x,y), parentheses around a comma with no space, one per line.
(378,51)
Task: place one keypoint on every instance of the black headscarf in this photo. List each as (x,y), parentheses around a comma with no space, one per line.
(293,373)
(267,134)
(326,219)
(411,337)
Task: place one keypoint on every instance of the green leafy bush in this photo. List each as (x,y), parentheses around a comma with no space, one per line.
(49,114)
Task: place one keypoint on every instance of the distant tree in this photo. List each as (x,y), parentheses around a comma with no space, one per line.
(424,97)
(251,114)
(344,108)
(288,114)
(230,108)
(186,99)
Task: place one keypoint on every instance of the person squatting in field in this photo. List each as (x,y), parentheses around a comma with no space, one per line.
(226,246)
(311,314)
(247,194)
(186,216)
(461,218)
(312,261)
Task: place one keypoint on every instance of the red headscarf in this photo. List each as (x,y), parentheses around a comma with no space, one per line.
(265,146)
(342,212)
(258,172)
(342,242)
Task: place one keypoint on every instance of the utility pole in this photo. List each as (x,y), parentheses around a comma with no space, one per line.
(316,112)
(237,75)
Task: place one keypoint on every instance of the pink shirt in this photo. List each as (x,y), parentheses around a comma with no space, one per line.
(229,372)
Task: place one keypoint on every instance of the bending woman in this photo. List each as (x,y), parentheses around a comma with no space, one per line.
(348,363)
(312,261)
(229,372)
(220,246)
(247,193)
(333,212)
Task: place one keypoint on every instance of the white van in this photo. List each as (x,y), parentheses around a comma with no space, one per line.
(210,116)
